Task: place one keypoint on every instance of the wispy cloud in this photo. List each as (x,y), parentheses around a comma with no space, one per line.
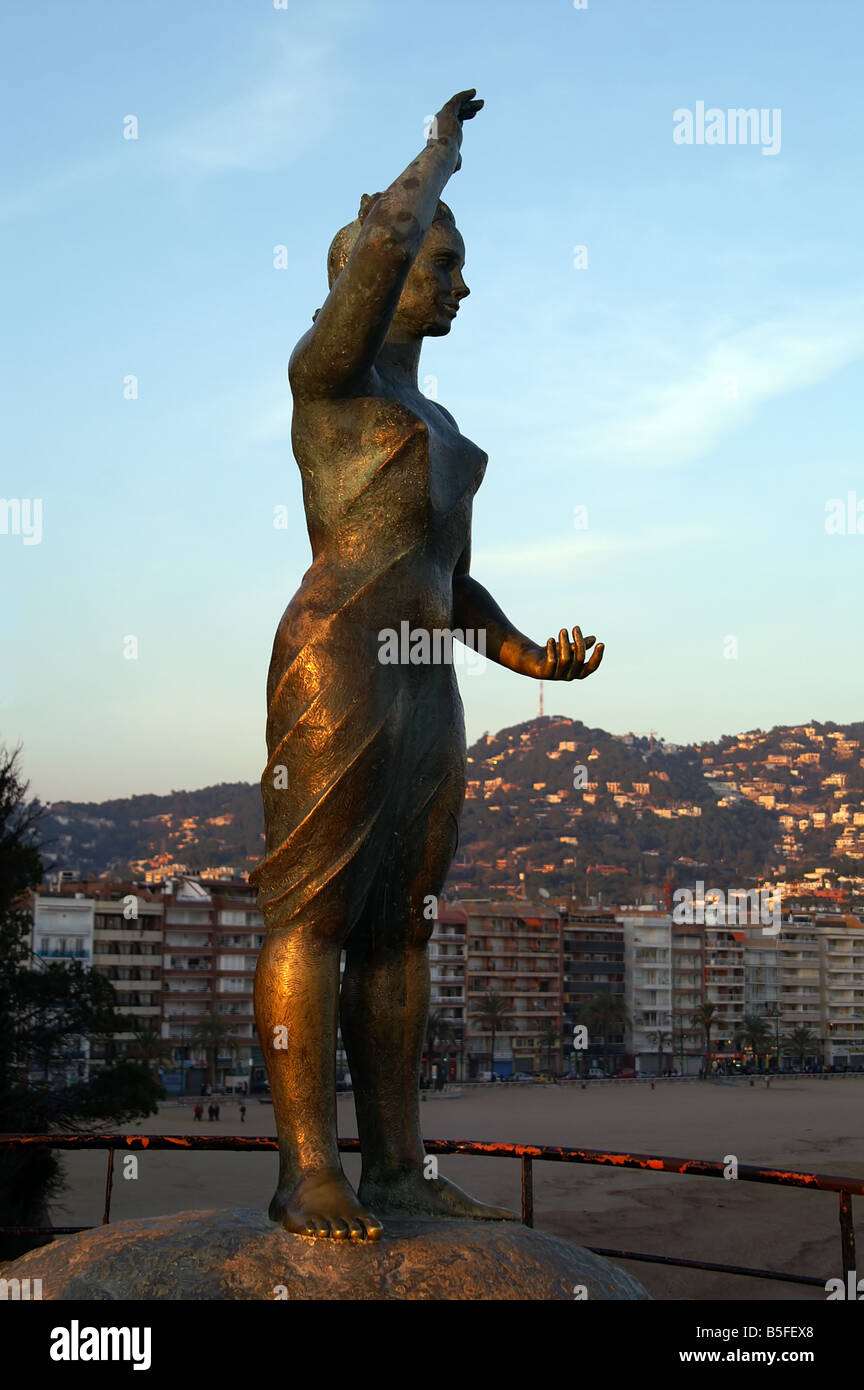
(673,423)
(260,130)
(264,129)
(554,555)
(30,199)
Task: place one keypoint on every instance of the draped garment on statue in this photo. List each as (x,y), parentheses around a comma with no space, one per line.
(366,771)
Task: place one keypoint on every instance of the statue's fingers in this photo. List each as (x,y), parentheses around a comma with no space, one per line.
(571,662)
(571,667)
(596,658)
(551,666)
(470,109)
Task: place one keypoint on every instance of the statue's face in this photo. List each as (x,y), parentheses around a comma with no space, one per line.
(434,287)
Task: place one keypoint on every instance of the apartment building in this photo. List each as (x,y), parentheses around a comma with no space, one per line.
(822,984)
(648,979)
(127,950)
(447,999)
(761,977)
(212,940)
(800,978)
(117,932)
(592,963)
(723,966)
(514,950)
(842,940)
(687,1035)
(63,927)
(63,931)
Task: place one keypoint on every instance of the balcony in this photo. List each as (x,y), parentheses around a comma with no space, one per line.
(111,938)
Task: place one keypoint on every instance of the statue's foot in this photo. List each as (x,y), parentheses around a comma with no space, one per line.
(324,1204)
(410,1194)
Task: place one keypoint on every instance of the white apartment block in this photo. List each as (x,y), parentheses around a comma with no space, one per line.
(62,933)
(687,1045)
(648,982)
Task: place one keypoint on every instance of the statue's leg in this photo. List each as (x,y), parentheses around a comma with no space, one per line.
(296,1010)
(335,732)
(385,1002)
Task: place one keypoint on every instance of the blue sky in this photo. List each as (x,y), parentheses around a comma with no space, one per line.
(693,387)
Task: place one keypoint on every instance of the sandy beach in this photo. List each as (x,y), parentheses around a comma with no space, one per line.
(802,1123)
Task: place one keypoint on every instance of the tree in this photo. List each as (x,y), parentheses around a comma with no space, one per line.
(756,1033)
(439,1034)
(44,1010)
(56,1008)
(491,1015)
(801,1043)
(550,1042)
(434,1021)
(215,1032)
(705,1017)
(150,1047)
(604,1014)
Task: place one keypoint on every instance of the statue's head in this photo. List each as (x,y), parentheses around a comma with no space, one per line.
(434,286)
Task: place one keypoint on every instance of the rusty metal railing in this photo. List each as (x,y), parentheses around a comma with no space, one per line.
(847,1188)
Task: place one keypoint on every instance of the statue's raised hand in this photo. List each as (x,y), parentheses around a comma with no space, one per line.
(448,122)
(562,660)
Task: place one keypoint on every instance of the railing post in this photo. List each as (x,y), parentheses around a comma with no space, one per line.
(527,1191)
(847,1234)
(109,1183)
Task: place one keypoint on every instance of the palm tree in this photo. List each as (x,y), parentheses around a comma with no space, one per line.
(214,1031)
(755,1032)
(800,1042)
(433,1024)
(448,1042)
(491,1016)
(604,1014)
(550,1041)
(705,1017)
(150,1047)
(439,1033)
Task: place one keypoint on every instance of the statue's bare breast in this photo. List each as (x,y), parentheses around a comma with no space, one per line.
(387,481)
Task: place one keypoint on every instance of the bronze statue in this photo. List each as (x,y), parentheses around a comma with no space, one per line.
(366,772)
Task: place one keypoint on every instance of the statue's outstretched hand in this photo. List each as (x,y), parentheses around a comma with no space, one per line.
(562,660)
(448,122)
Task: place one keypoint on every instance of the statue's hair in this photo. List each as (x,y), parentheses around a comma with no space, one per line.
(343,242)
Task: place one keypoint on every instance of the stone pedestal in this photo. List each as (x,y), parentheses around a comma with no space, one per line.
(242,1255)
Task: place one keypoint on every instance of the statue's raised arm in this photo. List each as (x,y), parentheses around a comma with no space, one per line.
(350,329)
